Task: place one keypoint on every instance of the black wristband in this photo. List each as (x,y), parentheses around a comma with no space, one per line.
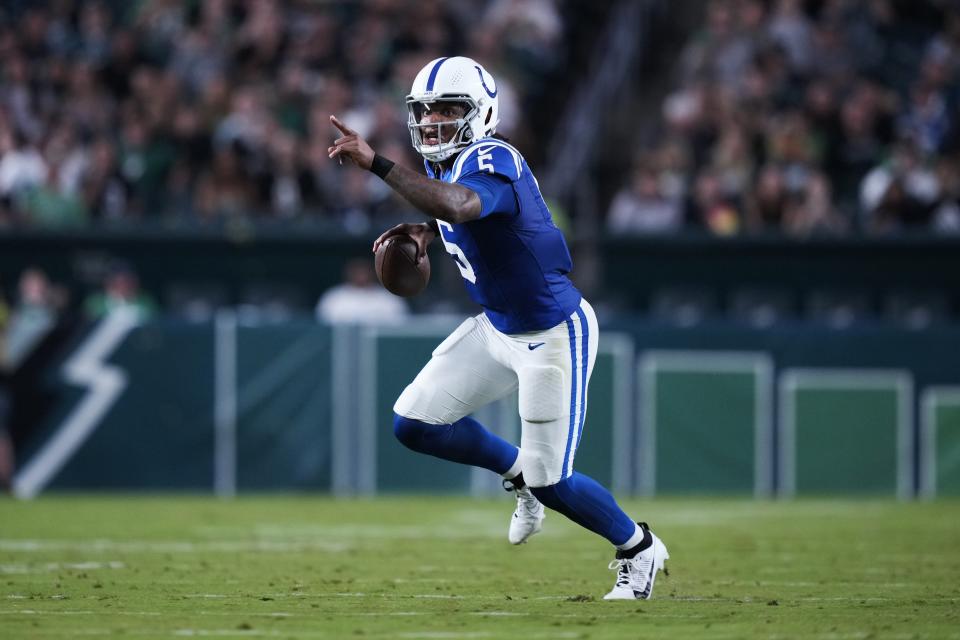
(380,166)
(434,226)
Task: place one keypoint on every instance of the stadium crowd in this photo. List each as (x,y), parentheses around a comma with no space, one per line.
(210,109)
(827,116)
(801,116)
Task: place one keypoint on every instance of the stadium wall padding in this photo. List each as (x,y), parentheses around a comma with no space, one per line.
(227,407)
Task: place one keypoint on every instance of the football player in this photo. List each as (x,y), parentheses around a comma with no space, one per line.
(536,336)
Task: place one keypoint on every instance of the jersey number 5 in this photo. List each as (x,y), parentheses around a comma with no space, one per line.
(466,269)
(484,161)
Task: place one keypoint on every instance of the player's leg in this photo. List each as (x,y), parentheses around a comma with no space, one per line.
(553,403)
(431,415)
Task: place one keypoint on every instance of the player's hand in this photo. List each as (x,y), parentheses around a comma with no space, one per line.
(421,232)
(350,146)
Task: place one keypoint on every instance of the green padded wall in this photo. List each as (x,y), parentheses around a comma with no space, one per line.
(283,391)
(705,422)
(845,432)
(941,442)
(396,355)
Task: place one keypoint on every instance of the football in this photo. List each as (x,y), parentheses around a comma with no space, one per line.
(397,268)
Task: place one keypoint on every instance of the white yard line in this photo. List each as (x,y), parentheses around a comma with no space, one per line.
(445,634)
(60,612)
(172,546)
(492,528)
(58,566)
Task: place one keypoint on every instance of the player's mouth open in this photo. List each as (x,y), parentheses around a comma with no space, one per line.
(431,136)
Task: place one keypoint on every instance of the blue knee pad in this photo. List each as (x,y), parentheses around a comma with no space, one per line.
(586,502)
(465,441)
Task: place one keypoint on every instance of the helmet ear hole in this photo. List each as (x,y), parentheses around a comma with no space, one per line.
(489,115)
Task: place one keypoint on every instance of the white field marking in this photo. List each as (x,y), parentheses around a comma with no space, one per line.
(172,546)
(404,596)
(225,614)
(483,634)
(490,529)
(406,580)
(499,613)
(57,566)
(252,633)
(59,612)
(445,634)
(803,599)
(227,632)
(362,594)
(35,612)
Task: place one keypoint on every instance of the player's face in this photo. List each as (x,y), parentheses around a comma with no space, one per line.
(438,113)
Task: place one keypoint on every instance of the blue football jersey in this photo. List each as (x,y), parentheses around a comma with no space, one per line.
(514,260)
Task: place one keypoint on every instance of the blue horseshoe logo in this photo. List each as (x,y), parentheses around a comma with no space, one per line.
(484,84)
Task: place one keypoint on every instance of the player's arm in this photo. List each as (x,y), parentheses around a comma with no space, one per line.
(448,202)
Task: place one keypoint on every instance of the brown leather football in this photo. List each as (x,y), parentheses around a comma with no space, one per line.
(397,268)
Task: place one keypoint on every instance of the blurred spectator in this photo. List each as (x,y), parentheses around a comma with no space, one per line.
(721,50)
(792,29)
(360,299)
(712,210)
(225,188)
(33,317)
(121,290)
(899,193)
(767,205)
(946,216)
(643,207)
(811,212)
(21,165)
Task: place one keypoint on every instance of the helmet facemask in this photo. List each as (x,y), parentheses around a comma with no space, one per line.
(462,136)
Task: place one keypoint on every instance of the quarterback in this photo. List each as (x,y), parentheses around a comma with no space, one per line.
(536,336)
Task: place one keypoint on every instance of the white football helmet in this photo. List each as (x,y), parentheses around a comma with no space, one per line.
(461,80)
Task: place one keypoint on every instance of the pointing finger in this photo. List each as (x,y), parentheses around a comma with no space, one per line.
(343,128)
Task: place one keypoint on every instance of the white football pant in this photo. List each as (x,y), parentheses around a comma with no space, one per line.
(476,364)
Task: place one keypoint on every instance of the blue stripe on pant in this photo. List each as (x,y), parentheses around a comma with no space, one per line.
(571,330)
(584,366)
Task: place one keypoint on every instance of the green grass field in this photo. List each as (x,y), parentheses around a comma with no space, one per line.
(304,567)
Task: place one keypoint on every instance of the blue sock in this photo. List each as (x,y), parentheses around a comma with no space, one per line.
(465,441)
(586,502)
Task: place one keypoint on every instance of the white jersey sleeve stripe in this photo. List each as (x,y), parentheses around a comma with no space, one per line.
(462,158)
(458,164)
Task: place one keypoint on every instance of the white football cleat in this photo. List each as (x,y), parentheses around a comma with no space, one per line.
(635,576)
(528,517)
